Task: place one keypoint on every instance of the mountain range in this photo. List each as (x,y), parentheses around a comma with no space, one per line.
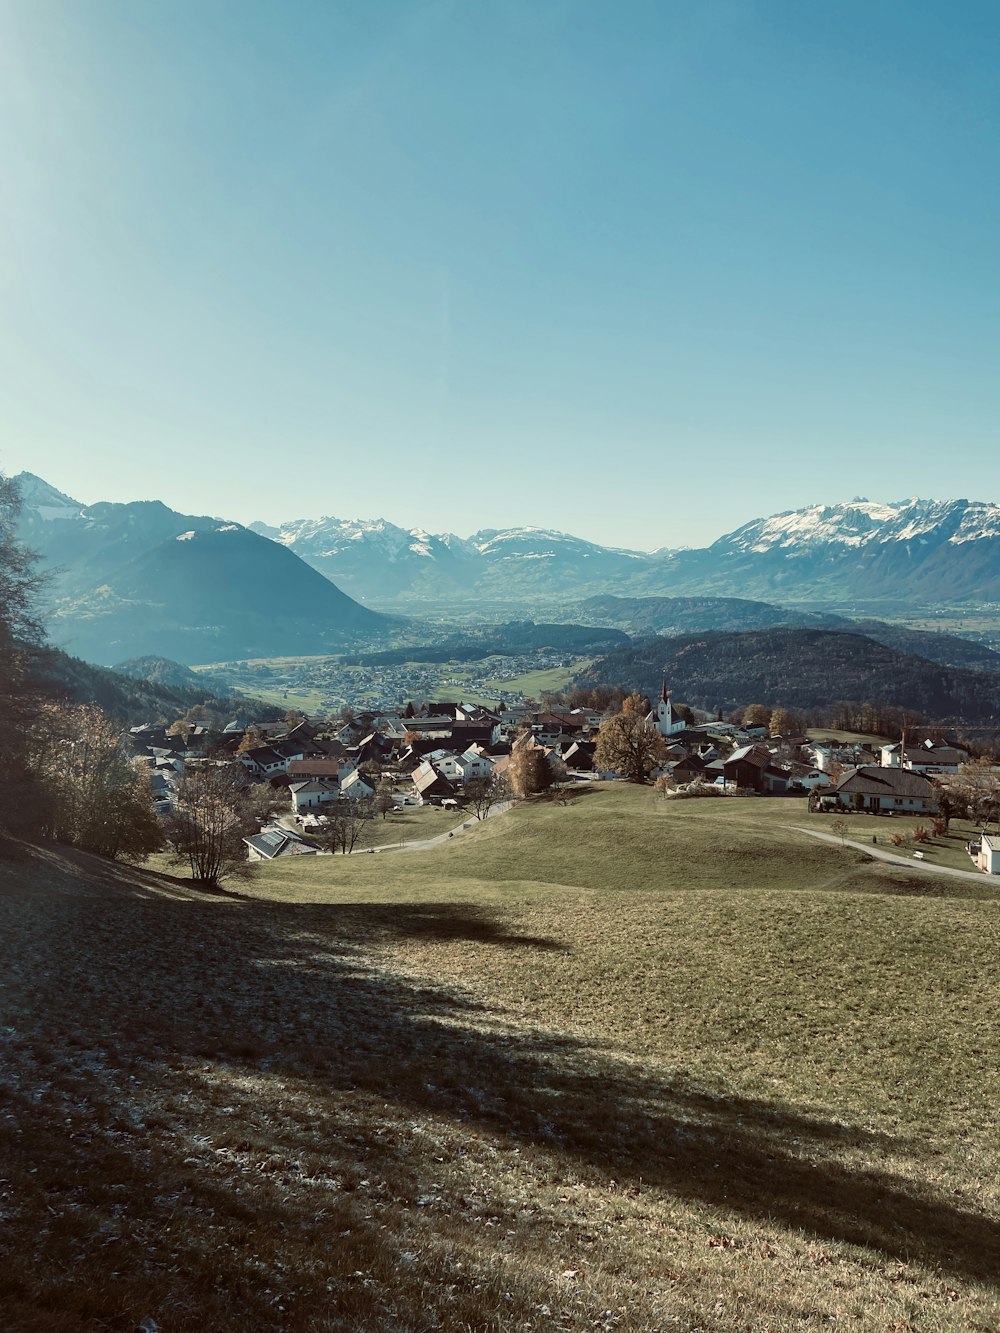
(138,579)
(129,580)
(913,552)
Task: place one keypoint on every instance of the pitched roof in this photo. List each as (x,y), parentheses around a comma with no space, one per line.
(758,756)
(314,768)
(426,779)
(272,841)
(874,781)
(264,755)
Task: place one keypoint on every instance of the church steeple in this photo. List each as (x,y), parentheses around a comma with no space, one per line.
(665,722)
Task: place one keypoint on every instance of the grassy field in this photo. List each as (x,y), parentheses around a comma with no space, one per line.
(533,684)
(619,1064)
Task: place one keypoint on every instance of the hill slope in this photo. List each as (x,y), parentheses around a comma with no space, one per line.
(800,668)
(130,580)
(620,1065)
(130,699)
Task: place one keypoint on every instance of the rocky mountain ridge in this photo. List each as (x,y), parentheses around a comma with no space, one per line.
(911,550)
(910,553)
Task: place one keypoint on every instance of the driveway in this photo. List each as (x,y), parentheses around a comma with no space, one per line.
(893,858)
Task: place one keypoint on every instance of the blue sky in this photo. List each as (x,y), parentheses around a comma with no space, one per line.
(640,271)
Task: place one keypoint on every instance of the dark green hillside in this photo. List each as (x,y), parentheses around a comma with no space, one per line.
(128,699)
(210,595)
(518,636)
(688,615)
(691,615)
(162,671)
(948,649)
(800,668)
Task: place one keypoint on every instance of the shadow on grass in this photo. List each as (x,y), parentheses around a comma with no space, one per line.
(293,989)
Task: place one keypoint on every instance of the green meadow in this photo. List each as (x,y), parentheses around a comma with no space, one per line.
(613,1063)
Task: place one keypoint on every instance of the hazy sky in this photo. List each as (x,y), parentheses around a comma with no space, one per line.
(639,271)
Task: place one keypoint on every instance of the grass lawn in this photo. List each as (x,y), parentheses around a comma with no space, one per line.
(533,684)
(410,824)
(619,1064)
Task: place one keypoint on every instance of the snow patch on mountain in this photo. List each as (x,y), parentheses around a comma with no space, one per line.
(863,523)
(44,500)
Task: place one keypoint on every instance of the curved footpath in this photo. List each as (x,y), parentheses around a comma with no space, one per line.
(908,861)
(423,844)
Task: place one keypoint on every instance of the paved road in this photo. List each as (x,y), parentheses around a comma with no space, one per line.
(424,844)
(908,861)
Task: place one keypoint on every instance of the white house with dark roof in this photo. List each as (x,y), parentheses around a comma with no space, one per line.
(884,791)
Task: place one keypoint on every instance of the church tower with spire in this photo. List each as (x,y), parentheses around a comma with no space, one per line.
(666,723)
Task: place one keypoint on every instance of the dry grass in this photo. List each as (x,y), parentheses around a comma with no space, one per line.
(626,1064)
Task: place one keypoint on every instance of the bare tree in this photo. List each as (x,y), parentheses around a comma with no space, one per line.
(974,790)
(486,792)
(214,812)
(346,821)
(19,630)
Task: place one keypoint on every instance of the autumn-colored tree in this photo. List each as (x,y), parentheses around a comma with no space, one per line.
(783,722)
(756,715)
(528,771)
(629,745)
(251,739)
(100,796)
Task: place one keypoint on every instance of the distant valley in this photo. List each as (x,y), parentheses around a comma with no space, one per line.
(139,580)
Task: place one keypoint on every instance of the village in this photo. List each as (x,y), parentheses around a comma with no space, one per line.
(465,758)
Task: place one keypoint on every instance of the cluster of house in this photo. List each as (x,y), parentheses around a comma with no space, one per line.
(431,755)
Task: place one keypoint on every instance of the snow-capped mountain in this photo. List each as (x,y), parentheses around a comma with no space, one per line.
(371,558)
(863,523)
(44,501)
(910,550)
(375,560)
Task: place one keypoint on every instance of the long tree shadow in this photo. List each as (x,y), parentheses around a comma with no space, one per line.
(293,989)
